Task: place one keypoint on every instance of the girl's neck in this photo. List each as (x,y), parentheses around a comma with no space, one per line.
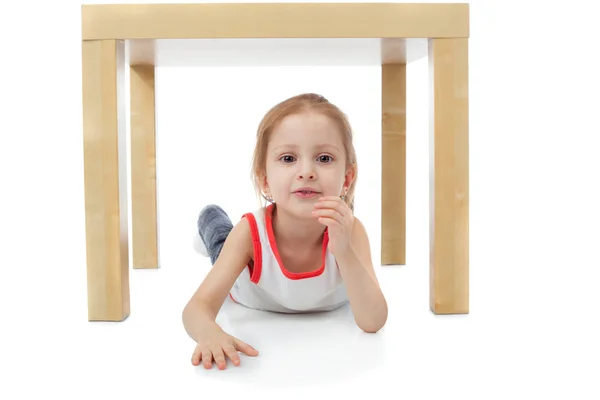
(296,232)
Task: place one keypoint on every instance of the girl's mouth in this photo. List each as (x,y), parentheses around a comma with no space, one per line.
(305,194)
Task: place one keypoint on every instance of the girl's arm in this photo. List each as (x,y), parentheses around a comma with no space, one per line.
(356,267)
(201,310)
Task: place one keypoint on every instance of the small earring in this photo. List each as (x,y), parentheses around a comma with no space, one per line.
(268,198)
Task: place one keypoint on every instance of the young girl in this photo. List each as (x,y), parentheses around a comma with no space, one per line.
(303,252)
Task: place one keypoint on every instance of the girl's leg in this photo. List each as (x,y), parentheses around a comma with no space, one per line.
(214,226)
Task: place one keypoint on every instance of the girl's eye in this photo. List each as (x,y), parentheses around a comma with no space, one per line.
(287,159)
(325,159)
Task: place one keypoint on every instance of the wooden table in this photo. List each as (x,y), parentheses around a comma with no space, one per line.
(144,36)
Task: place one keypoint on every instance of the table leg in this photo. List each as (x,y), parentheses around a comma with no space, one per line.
(105,179)
(393,185)
(449,176)
(143,168)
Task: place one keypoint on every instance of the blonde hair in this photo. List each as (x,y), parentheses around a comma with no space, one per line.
(302,103)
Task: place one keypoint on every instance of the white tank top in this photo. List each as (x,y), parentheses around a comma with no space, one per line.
(265,284)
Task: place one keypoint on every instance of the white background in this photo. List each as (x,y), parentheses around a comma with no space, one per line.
(534,211)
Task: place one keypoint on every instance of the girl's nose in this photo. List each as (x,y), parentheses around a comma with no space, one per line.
(310,176)
(307,174)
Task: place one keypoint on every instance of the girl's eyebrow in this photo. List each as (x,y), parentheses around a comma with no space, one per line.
(295,147)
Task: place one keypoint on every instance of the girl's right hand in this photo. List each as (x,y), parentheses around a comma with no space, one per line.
(216,345)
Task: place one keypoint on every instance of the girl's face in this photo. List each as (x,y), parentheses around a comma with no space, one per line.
(305,152)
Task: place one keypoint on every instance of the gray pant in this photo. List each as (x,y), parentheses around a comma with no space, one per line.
(214,226)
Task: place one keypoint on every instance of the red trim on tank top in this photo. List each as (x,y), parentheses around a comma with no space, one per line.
(273,243)
(254,268)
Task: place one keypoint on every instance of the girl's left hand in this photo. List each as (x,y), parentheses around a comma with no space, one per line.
(334,213)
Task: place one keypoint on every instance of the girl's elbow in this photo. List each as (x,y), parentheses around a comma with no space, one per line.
(373,326)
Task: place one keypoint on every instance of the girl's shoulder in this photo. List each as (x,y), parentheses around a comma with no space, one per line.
(243,235)
(233,259)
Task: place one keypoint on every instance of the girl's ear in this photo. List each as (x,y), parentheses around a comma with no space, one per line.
(264,185)
(350,175)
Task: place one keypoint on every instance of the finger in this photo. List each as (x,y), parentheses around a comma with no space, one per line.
(329,214)
(232,354)
(219,357)
(196,356)
(319,207)
(327,211)
(207,358)
(245,348)
(334,198)
(339,206)
(329,222)
(329,203)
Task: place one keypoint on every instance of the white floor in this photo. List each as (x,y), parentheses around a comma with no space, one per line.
(492,353)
